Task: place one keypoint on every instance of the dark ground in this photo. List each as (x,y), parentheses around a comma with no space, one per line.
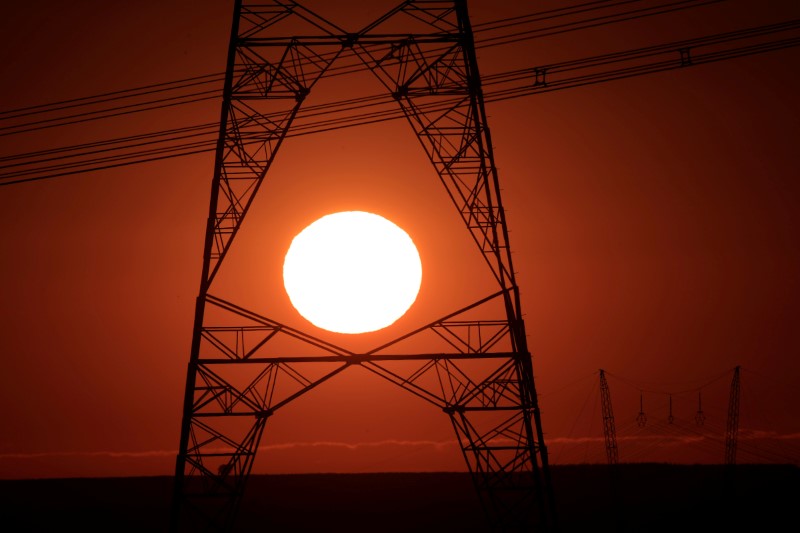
(652,498)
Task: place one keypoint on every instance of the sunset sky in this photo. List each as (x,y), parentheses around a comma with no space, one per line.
(653,224)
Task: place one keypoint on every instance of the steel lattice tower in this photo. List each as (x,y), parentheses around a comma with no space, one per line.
(481,376)
(609,429)
(732,426)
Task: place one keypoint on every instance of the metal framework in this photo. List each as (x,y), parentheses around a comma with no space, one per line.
(732,427)
(478,369)
(641,417)
(609,429)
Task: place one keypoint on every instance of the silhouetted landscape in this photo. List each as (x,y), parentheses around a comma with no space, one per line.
(651,498)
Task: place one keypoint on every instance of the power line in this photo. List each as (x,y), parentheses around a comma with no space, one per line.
(331,116)
(665,437)
(336,71)
(501,86)
(89,116)
(112,96)
(98,146)
(596,22)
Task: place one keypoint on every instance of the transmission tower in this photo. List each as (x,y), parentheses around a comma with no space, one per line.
(610,433)
(481,376)
(641,418)
(732,429)
(609,429)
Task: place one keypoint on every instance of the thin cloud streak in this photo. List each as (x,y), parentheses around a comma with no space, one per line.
(436,445)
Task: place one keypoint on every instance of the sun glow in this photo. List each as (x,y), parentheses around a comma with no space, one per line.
(352,272)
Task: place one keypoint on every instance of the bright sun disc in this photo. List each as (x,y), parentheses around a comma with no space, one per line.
(352,272)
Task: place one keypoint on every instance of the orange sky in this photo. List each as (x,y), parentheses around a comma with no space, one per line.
(653,222)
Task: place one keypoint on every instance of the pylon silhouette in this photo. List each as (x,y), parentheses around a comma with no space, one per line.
(478,368)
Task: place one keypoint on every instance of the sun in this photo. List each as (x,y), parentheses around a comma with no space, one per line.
(352,272)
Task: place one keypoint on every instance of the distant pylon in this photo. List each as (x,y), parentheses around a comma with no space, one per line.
(641,418)
(700,416)
(609,429)
(477,370)
(732,429)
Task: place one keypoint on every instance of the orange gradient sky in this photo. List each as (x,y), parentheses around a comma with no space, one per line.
(653,223)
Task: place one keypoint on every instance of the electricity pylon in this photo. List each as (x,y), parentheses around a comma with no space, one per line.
(732,426)
(478,369)
(609,429)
